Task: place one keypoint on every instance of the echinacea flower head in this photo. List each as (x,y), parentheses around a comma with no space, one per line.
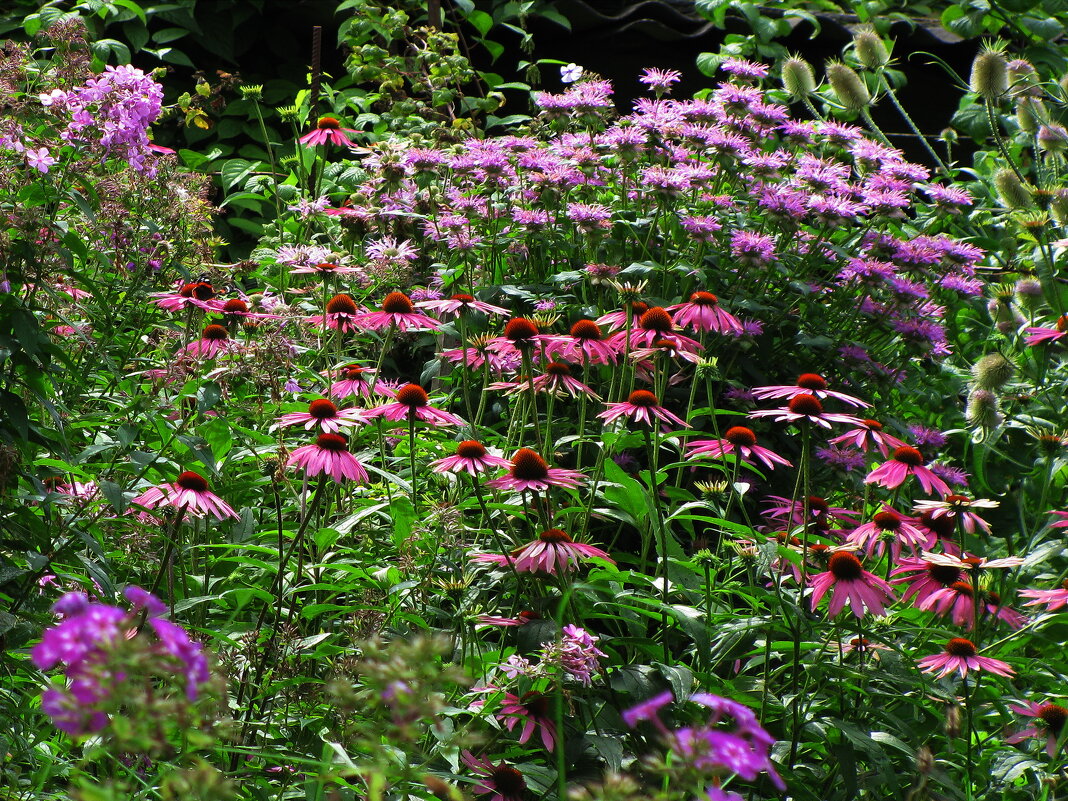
(888,527)
(214,340)
(341,314)
(738,441)
(1053,599)
(808,408)
(533,711)
(355,379)
(906,461)
(325,415)
(328,130)
(961,656)
(501,782)
(642,406)
(329,455)
(807,384)
(188,492)
(554,552)
(923,578)
(397,311)
(471,457)
(853,584)
(460,304)
(529,472)
(959,508)
(703,313)
(198,294)
(1047,722)
(411,403)
(869,433)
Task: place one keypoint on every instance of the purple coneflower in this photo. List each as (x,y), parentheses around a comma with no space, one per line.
(532,710)
(906,461)
(553,552)
(199,295)
(703,313)
(958,507)
(189,492)
(471,457)
(412,403)
(641,406)
(885,526)
(397,310)
(805,407)
(329,454)
(924,578)
(501,782)
(341,314)
(961,656)
(556,380)
(324,414)
(460,304)
(807,384)
(869,432)
(1049,720)
(585,342)
(354,380)
(328,129)
(852,583)
(1053,599)
(1038,335)
(738,441)
(530,472)
(214,340)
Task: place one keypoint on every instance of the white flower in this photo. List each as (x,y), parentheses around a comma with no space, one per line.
(569,73)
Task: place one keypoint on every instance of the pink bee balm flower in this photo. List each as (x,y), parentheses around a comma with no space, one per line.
(471,457)
(738,441)
(530,472)
(1039,335)
(327,129)
(397,310)
(329,454)
(869,433)
(214,341)
(906,461)
(1049,720)
(642,406)
(703,313)
(852,583)
(1053,599)
(412,403)
(460,304)
(807,384)
(961,656)
(805,407)
(501,782)
(324,414)
(553,552)
(189,492)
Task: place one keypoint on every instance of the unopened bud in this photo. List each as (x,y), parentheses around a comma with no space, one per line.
(797,77)
(982,410)
(1029,113)
(1011,189)
(993,371)
(848,87)
(990,75)
(925,761)
(1028,293)
(870,49)
(953,721)
(1053,138)
(1022,76)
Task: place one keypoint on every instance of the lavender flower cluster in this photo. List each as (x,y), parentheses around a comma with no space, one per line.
(97,644)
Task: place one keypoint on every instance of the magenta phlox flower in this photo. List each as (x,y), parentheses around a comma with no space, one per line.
(869,433)
(649,710)
(576,652)
(805,407)
(907,461)
(471,457)
(807,384)
(702,312)
(641,406)
(529,472)
(1047,723)
(328,130)
(188,492)
(397,311)
(737,441)
(961,656)
(853,584)
(176,642)
(86,627)
(412,403)
(329,455)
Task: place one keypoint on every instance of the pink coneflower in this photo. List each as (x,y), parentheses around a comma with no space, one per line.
(1049,720)
(328,129)
(960,656)
(553,552)
(819,511)
(521,619)
(341,314)
(585,342)
(397,310)
(199,295)
(324,268)
(703,313)
(556,380)
(888,526)
(532,710)
(412,403)
(869,432)
(906,461)
(924,578)
(641,407)
(354,380)
(958,508)
(654,324)
(807,384)
(805,407)
(471,457)
(520,336)
(214,340)
(738,441)
(852,583)
(970,562)
(1038,335)
(501,782)
(460,304)
(530,472)
(329,454)
(957,600)
(1053,599)
(324,414)
(189,492)
(236,310)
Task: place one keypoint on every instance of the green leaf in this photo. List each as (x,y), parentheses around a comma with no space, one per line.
(130,5)
(403,514)
(166,35)
(625,492)
(481,20)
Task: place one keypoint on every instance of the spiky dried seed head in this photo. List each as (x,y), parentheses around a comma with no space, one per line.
(848,87)
(990,74)
(870,49)
(993,371)
(798,78)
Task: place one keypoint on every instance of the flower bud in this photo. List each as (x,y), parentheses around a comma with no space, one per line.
(1053,138)
(1028,293)
(990,75)
(1011,189)
(1023,77)
(848,87)
(982,410)
(925,761)
(992,371)
(870,49)
(1029,113)
(797,77)
(953,720)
